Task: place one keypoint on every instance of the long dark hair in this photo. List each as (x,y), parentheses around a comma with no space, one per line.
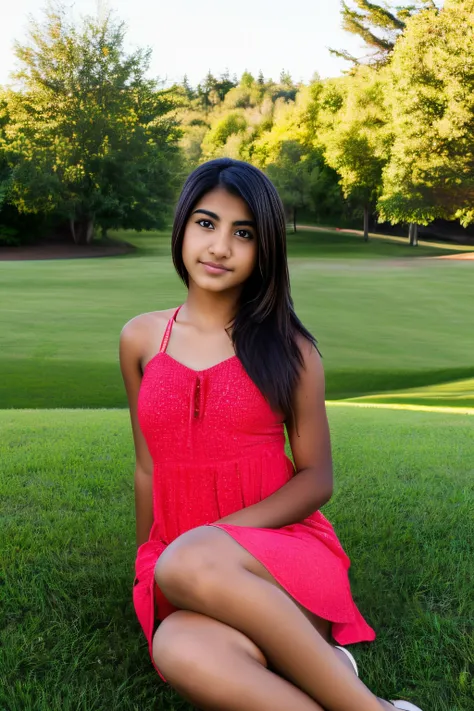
(265,327)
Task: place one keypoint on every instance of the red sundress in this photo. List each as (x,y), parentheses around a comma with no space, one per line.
(218,447)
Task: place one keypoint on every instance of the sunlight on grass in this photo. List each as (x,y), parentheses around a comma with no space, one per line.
(399,406)
(460,392)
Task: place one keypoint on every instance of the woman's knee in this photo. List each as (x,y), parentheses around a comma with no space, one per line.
(189,648)
(189,568)
(175,651)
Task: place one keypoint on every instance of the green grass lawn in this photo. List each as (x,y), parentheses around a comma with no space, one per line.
(391,327)
(384,323)
(402,508)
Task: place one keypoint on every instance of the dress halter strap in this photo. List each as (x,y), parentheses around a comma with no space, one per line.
(167,333)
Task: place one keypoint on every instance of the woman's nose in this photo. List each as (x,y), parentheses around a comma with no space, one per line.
(220,245)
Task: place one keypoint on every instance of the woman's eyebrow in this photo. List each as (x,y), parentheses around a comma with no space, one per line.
(238,223)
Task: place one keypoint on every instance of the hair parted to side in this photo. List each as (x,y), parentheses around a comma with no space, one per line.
(265,327)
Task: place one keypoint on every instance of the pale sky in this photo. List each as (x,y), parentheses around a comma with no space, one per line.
(192,36)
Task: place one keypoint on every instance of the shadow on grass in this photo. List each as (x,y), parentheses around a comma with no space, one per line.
(52,383)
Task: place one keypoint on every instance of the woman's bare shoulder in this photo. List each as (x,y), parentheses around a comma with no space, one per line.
(150,318)
(309,352)
(142,334)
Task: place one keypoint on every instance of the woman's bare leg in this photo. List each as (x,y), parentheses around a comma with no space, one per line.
(206,571)
(345,660)
(217,668)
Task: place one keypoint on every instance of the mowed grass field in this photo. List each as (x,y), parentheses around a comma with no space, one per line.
(384,321)
(390,326)
(402,508)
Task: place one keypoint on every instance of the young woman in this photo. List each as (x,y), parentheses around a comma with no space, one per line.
(241,582)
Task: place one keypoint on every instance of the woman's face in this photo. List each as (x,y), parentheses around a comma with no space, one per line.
(220,242)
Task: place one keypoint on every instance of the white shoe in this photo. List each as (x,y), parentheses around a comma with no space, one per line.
(353,661)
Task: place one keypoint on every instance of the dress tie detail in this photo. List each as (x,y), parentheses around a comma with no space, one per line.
(197,397)
(196,405)
(195,400)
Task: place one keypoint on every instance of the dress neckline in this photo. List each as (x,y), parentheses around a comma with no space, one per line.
(164,345)
(186,367)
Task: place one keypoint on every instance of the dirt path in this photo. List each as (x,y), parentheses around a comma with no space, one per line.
(392,238)
(460,255)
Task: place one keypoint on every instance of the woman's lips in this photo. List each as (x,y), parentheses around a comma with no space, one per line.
(212,268)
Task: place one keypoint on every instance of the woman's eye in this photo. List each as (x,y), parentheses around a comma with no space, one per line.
(246,234)
(204,223)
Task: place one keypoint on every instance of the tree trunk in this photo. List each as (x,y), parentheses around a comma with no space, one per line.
(366,223)
(413,234)
(82,230)
(73,229)
(89,230)
(294,219)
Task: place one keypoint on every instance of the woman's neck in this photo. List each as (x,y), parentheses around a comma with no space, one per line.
(208,310)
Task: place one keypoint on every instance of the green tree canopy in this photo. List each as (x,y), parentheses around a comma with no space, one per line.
(354,132)
(431,171)
(89,137)
(222,129)
(303,180)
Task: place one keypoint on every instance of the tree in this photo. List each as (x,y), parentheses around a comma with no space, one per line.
(222,129)
(246,93)
(377,26)
(5,171)
(292,178)
(285,122)
(354,132)
(247,80)
(206,91)
(431,171)
(303,180)
(191,144)
(285,150)
(186,86)
(285,78)
(224,85)
(89,138)
(7,232)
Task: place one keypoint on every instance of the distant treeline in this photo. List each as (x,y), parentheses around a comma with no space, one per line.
(88,142)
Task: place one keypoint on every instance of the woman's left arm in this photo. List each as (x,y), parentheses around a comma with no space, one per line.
(312,485)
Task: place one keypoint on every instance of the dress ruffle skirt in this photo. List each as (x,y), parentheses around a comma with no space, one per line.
(306,558)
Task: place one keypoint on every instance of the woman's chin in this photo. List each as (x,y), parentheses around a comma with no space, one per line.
(214,284)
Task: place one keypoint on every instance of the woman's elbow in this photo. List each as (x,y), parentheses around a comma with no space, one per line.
(326,486)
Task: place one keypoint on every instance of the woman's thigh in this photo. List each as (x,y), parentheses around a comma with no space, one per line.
(224,547)
(323,626)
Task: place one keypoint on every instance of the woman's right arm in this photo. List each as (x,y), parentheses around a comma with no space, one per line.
(130,352)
